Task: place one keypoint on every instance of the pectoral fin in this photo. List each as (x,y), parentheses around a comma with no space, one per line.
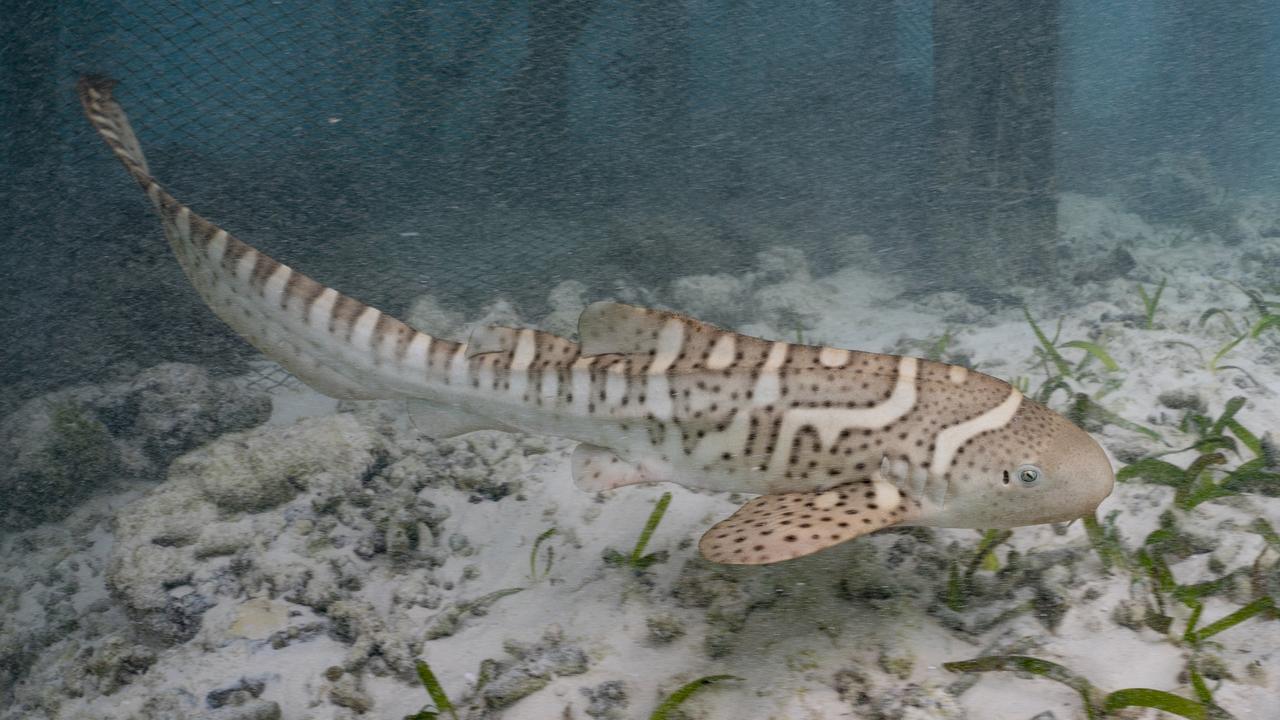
(773,528)
(596,469)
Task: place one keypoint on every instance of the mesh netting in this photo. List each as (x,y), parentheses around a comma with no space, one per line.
(471,150)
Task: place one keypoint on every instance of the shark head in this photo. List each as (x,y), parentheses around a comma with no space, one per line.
(1038,468)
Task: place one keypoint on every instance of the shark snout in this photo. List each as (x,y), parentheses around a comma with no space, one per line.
(1081,472)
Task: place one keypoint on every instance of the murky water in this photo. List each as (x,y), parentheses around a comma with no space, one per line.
(1064,199)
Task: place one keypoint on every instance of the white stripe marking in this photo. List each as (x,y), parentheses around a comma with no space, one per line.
(830,421)
(670,339)
(318,318)
(580,374)
(777,356)
(182,221)
(386,349)
(417,355)
(244,268)
(722,353)
(768,388)
(958,374)
(953,438)
(526,347)
(521,359)
(273,289)
(833,357)
(362,331)
(217,247)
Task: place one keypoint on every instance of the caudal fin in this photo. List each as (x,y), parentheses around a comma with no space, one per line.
(332,342)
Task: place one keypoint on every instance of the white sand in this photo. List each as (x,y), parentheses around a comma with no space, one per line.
(854,618)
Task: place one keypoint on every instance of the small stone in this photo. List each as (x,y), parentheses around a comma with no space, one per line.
(116,664)
(1271,451)
(664,629)
(239,694)
(398,543)
(566,660)
(896,660)
(346,692)
(1213,667)
(458,542)
(1183,399)
(607,700)
(509,687)
(1129,614)
(918,702)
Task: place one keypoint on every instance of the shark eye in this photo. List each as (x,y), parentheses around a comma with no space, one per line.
(1029,475)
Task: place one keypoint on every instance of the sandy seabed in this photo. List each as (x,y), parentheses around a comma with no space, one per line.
(298,569)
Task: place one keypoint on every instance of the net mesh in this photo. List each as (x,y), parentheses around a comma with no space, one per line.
(471,150)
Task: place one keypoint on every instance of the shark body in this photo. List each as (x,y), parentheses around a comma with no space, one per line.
(838,443)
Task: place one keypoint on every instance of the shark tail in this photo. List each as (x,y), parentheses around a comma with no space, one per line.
(334,343)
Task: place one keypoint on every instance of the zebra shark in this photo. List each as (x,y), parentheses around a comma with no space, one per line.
(837,443)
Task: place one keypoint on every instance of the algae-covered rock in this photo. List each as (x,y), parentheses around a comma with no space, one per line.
(607,701)
(117,663)
(347,692)
(664,628)
(512,685)
(531,668)
(59,449)
(360,625)
(236,694)
(53,454)
(729,598)
(927,701)
(180,546)
(249,472)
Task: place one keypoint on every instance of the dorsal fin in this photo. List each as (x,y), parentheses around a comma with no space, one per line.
(614,328)
(492,338)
